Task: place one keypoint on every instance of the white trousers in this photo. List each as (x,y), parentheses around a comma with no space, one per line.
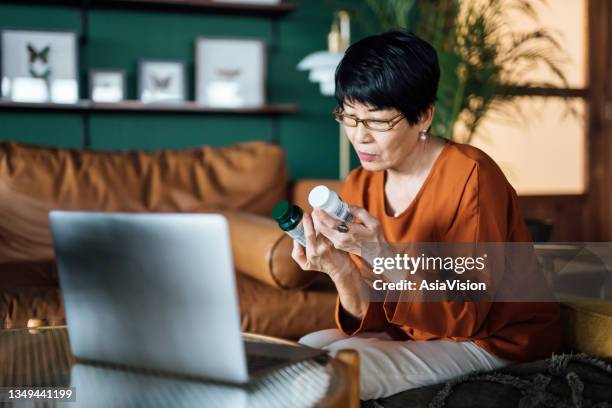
(389,366)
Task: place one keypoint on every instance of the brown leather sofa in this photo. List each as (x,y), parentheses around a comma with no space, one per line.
(243,182)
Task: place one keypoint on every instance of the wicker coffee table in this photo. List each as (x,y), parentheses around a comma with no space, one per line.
(41,357)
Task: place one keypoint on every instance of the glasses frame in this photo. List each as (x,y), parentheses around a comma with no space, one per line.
(391,123)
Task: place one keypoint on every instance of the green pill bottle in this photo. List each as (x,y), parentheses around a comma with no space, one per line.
(289,219)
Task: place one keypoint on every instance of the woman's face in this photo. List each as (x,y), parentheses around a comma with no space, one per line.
(382,150)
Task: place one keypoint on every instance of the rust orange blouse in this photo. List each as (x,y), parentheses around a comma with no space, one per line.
(465,198)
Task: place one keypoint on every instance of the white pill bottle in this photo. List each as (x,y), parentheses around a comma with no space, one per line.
(326,199)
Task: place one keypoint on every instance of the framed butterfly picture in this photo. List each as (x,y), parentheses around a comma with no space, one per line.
(107,85)
(39,66)
(230,72)
(162,81)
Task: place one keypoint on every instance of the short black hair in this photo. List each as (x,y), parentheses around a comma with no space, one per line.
(395,69)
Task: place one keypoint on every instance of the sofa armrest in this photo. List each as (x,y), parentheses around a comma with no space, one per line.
(262,251)
(301,188)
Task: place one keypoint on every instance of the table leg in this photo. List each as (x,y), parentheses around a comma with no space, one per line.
(351,359)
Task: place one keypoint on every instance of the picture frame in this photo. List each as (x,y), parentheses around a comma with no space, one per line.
(39,65)
(107,85)
(162,81)
(230,72)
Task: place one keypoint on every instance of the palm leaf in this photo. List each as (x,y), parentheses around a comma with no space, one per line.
(478,53)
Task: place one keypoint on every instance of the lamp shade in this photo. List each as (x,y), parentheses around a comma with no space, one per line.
(322,66)
(320,59)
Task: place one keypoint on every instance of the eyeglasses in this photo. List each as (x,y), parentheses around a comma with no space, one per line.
(372,124)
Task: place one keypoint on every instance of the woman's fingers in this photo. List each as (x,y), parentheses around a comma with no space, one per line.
(325,223)
(328,226)
(309,235)
(365,217)
(299,254)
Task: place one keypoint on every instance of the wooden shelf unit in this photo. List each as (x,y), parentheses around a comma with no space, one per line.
(86,107)
(132,106)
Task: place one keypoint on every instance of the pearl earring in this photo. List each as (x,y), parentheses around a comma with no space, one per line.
(423,134)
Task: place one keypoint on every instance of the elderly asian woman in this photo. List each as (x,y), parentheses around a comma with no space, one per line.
(415,187)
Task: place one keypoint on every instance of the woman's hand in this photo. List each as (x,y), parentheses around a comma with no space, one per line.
(319,254)
(365,229)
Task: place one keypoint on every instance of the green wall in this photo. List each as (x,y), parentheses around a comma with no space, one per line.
(118,38)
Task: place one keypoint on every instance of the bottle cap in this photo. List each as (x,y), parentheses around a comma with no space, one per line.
(319,196)
(287,215)
(281,211)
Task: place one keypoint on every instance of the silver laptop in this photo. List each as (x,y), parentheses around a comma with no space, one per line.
(158,291)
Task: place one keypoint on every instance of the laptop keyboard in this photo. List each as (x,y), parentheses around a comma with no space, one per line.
(258,362)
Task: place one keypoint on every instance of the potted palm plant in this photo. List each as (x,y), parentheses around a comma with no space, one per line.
(482,59)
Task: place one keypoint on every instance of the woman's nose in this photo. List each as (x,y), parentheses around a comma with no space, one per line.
(362,134)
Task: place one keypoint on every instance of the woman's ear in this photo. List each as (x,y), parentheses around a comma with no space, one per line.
(427,118)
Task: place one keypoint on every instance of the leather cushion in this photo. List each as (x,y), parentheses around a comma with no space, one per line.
(283,313)
(33,180)
(263,251)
